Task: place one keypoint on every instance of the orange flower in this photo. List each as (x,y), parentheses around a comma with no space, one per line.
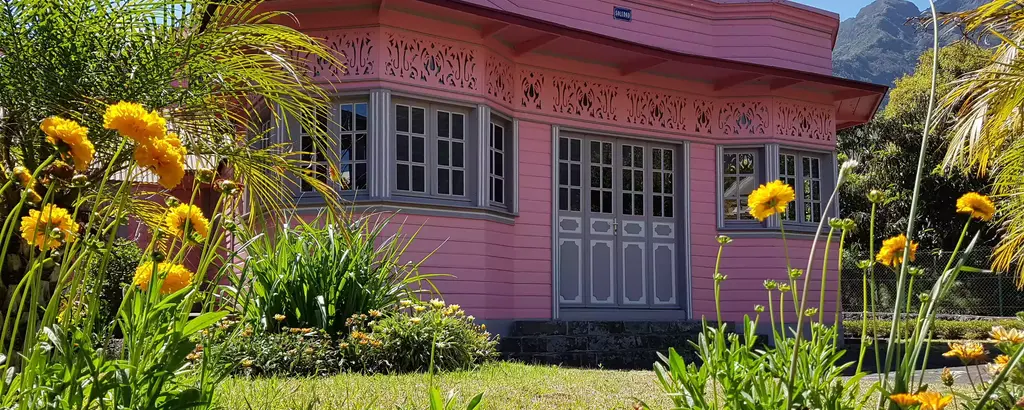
(903,399)
(49,228)
(933,401)
(891,253)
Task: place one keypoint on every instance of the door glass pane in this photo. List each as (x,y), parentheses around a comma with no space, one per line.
(606,202)
(595,201)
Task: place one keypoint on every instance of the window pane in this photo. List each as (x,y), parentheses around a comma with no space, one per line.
(595,201)
(402,118)
(638,157)
(345,148)
(638,180)
(418,177)
(656,158)
(668,160)
(746,186)
(499,191)
(307,148)
(418,121)
(656,181)
(729,209)
(627,180)
(746,163)
(346,117)
(606,153)
(442,124)
(627,204)
(402,172)
(606,178)
(442,181)
(442,152)
(627,156)
(656,204)
(458,126)
(595,152)
(729,163)
(606,202)
(458,183)
(807,189)
(595,176)
(574,175)
(575,198)
(418,154)
(638,204)
(360,179)
(669,210)
(816,189)
(807,167)
(563,199)
(499,138)
(360,147)
(575,151)
(563,173)
(668,183)
(361,115)
(402,149)
(563,149)
(457,154)
(729,186)
(499,165)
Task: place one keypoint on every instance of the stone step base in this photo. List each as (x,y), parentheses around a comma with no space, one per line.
(605,344)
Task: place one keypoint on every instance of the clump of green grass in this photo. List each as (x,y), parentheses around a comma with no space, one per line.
(944,329)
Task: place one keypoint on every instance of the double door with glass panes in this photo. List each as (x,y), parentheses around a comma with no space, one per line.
(617,204)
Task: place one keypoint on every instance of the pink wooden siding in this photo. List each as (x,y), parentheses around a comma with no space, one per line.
(782,34)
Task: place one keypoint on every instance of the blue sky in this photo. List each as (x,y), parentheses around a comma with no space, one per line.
(848,8)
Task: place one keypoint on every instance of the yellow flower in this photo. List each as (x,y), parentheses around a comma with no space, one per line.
(770,198)
(998,364)
(74,136)
(184,219)
(903,399)
(375,313)
(176,277)
(436,303)
(24,177)
(933,400)
(279,317)
(419,308)
(977,205)
(415,320)
(968,353)
(48,228)
(165,157)
(891,253)
(132,121)
(1015,336)
(246,363)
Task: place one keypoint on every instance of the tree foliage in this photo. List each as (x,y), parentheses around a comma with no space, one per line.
(888,148)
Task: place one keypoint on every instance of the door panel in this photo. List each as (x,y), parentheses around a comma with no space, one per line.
(619,247)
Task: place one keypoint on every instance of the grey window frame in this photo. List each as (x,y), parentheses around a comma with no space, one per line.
(341,133)
(760,175)
(508,162)
(827,180)
(471,167)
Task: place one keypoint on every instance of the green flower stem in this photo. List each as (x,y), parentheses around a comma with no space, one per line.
(910,293)
(792,281)
(912,216)
(874,299)
(771,314)
(824,276)
(864,322)
(718,288)
(839,277)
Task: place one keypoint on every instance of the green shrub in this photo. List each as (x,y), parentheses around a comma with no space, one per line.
(944,329)
(401,341)
(120,270)
(320,273)
(405,340)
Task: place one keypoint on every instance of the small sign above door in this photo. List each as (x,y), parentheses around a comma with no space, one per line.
(622,13)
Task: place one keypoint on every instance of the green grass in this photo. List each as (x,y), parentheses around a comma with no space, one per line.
(505,386)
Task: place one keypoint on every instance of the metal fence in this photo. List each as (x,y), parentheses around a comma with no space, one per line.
(981,294)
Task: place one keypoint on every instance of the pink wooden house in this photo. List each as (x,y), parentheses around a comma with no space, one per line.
(580,156)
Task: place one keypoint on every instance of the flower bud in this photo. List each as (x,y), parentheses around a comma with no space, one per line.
(784,287)
(795,273)
(811,312)
(24,177)
(720,277)
(770,284)
(56,233)
(230,225)
(947,377)
(864,264)
(724,240)
(759,308)
(876,196)
(79,181)
(835,223)
(915,271)
(924,297)
(172,202)
(60,170)
(226,186)
(205,175)
(32,197)
(157,256)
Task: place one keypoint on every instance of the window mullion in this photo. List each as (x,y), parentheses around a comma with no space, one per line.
(481,172)
(771,169)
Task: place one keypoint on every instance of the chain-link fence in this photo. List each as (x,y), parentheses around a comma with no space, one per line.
(981,294)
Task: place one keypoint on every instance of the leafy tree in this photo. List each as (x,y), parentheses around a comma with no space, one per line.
(208,67)
(888,148)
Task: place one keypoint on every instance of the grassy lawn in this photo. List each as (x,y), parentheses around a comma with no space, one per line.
(505,386)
